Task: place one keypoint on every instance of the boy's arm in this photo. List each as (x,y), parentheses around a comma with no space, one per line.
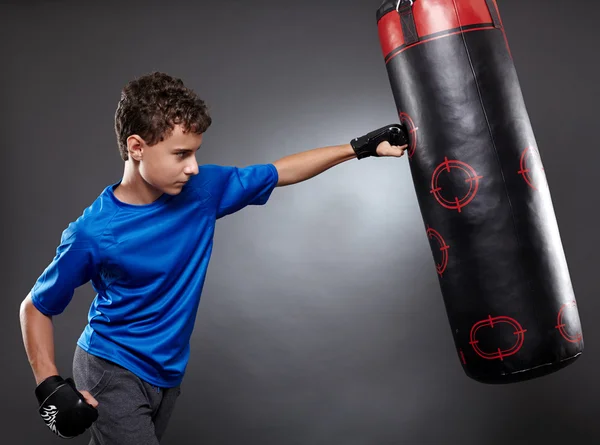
(387,141)
(38,336)
(66,411)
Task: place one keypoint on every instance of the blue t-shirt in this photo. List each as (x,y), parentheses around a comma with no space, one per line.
(147,264)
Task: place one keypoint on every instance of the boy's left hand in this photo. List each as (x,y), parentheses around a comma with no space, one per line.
(385,149)
(390,140)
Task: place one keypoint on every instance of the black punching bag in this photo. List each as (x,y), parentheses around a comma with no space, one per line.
(481,188)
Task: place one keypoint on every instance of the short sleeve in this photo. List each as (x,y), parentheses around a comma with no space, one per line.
(71,267)
(245,186)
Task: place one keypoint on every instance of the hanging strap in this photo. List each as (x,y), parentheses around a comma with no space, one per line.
(494,13)
(407,20)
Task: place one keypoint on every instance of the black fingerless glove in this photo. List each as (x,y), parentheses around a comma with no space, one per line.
(63,408)
(366,145)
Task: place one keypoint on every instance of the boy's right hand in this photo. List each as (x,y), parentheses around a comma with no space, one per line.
(89,398)
(66,411)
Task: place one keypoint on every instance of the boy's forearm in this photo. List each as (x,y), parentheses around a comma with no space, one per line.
(38,338)
(307,164)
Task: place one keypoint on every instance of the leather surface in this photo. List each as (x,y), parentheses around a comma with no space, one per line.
(486,204)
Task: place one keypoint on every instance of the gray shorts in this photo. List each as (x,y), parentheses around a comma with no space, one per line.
(130,410)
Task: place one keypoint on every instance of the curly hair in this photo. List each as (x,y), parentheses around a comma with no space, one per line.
(151,106)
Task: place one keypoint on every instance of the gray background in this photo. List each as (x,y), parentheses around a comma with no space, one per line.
(321,320)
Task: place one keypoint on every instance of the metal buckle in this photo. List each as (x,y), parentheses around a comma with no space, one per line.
(404,3)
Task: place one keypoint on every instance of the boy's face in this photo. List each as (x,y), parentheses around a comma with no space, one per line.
(167,165)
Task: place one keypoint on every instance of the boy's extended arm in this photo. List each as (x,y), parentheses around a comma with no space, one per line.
(387,141)
(307,164)
(38,337)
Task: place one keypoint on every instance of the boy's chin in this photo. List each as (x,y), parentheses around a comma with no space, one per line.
(174,190)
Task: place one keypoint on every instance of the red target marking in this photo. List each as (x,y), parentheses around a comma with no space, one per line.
(560,325)
(498,354)
(472,179)
(526,167)
(412,133)
(441,266)
(462,357)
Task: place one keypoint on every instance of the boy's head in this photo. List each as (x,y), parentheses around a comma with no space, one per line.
(152,105)
(159,124)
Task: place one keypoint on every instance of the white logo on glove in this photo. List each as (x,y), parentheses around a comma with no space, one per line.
(49,416)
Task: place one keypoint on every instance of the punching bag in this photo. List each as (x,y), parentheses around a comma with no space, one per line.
(481,188)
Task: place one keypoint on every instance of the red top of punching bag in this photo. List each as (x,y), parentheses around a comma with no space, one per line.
(433,19)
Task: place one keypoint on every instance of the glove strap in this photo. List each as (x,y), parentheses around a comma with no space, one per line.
(46,388)
(363,147)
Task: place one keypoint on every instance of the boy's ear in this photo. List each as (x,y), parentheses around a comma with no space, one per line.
(135,147)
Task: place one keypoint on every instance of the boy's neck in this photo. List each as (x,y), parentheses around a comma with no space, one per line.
(134,190)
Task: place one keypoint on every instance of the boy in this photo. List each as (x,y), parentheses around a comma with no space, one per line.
(145,243)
